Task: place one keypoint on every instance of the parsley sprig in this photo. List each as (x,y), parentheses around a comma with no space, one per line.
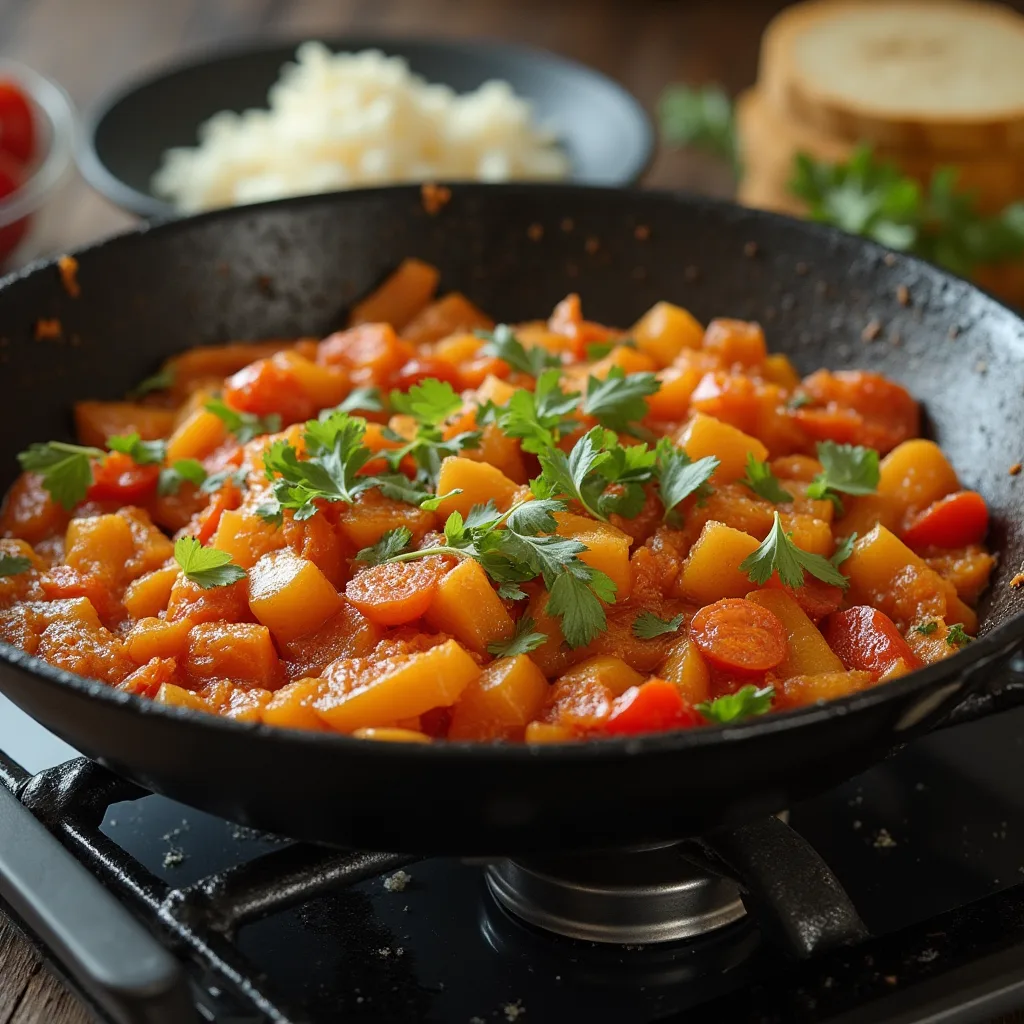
(846,468)
(13,565)
(957,636)
(162,380)
(206,567)
(522,641)
(143,453)
(678,477)
(539,419)
(244,425)
(183,470)
(503,343)
(619,401)
(65,469)
(763,482)
(778,553)
(647,625)
(747,702)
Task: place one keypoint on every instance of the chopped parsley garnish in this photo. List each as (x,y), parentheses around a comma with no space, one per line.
(143,453)
(522,641)
(799,400)
(678,477)
(159,381)
(13,565)
(391,543)
(359,399)
(763,482)
(846,468)
(206,567)
(503,343)
(747,702)
(619,401)
(182,471)
(429,403)
(647,625)
(926,628)
(843,550)
(777,553)
(65,469)
(215,481)
(244,425)
(539,419)
(957,636)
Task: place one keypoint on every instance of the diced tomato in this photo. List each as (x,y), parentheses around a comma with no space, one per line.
(227,497)
(266,386)
(653,706)
(952,522)
(739,636)
(117,477)
(17,123)
(866,639)
(424,368)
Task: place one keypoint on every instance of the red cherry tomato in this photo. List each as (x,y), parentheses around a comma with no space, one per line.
(653,706)
(17,123)
(952,522)
(11,177)
(119,478)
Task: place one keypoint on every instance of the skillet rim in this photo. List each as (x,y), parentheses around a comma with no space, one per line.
(961,667)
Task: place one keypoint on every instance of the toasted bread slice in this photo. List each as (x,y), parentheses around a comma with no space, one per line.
(944,75)
(769,140)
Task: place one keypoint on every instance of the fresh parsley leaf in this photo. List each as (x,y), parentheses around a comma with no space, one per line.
(429,403)
(618,402)
(702,118)
(848,468)
(957,636)
(215,481)
(599,349)
(391,543)
(171,478)
(575,600)
(678,477)
(522,641)
(511,591)
(143,453)
(433,501)
(843,550)
(926,628)
(538,418)
(159,381)
(747,702)
(799,400)
(358,400)
(13,565)
(244,425)
(503,343)
(763,482)
(206,567)
(647,625)
(777,553)
(574,475)
(65,469)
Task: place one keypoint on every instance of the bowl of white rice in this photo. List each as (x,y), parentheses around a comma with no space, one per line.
(291,119)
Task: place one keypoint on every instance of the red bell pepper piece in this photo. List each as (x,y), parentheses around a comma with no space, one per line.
(867,640)
(952,522)
(653,706)
(118,477)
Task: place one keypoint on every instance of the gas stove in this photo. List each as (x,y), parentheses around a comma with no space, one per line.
(239,926)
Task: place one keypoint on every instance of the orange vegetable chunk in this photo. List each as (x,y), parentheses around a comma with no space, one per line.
(606,670)
(798,691)
(96,421)
(399,297)
(685,666)
(349,634)
(664,331)
(739,636)
(465,605)
(290,595)
(291,707)
(396,592)
(807,651)
(508,693)
(713,569)
(242,651)
(157,638)
(607,548)
(704,435)
(479,482)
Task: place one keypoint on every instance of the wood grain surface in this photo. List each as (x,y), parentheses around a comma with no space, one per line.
(91,46)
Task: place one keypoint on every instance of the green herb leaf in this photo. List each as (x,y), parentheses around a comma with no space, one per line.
(843,550)
(926,628)
(244,425)
(957,636)
(538,418)
(647,625)
(215,481)
(143,453)
(171,478)
(618,402)
(678,477)
(13,565)
(573,475)
(777,553)
(358,400)
(747,702)
(702,118)
(430,402)
(848,468)
(503,343)
(391,543)
(65,469)
(522,641)
(206,567)
(511,591)
(799,400)
(577,606)
(159,381)
(763,482)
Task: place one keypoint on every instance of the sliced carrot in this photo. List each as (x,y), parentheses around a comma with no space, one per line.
(396,592)
(739,636)
(867,640)
(952,522)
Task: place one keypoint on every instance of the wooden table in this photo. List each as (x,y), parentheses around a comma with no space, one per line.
(89,46)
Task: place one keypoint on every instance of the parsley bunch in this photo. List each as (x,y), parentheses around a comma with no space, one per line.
(678,477)
(244,425)
(13,565)
(539,419)
(846,468)
(502,343)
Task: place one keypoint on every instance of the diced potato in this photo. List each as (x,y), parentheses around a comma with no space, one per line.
(399,297)
(246,704)
(367,691)
(685,667)
(509,693)
(779,370)
(607,548)
(808,532)
(605,669)
(916,473)
(291,707)
(447,315)
(179,697)
(99,546)
(704,435)
(196,436)
(495,390)
(458,348)
(665,330)
(713,569)
(349,634)
(736,341)
(325,386)
(800,690)
(147,679)
(218,604)
(466,607)
(246,537)
(968,569)
(96,421)
(672,399)
(28,512)
(864,513)
(208,362)
(479,483)
(365,522)
(547,732)
(391,734)
(157,638)
(625,358)
(242,651)
(290,595)
(808,654)
(553,656)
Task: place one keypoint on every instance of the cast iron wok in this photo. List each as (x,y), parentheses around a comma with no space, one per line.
(292,268)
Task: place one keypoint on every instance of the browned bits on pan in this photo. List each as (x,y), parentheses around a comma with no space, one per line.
(1015,469)
(889,259)
(48,330)
(591,245)
(567,225)
(1018,581)
(981,367)
(802,270)
(691,274)
(265,285)
(535,232)
(871,331)
(750,250)
(434,197)
(639,273)
(903,295)
(641,232)
(67,267)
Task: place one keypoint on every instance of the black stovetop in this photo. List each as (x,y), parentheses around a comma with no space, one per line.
(929,845)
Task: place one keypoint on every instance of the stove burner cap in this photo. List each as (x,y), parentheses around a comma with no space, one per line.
(621,896)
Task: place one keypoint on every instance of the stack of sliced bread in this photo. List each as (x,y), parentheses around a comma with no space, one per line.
(925,83)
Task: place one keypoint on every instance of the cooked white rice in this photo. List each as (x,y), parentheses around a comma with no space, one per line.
(351,119)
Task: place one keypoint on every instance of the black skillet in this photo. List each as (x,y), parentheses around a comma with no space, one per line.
(294,267)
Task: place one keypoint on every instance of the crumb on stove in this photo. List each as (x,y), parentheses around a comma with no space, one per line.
(884,841)
(67,267)
(174,857)
(1017,581)
(567,225)
(434,197)
(926,956)
(871,331)
(47,329)
(398,881)
(641,232)
(513,1011)
(981,366)
(591,245)
(1015,469)
(903,295)
(954,332)
(750,249)
(535,232)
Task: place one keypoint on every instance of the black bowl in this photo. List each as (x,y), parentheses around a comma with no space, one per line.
(606,133)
